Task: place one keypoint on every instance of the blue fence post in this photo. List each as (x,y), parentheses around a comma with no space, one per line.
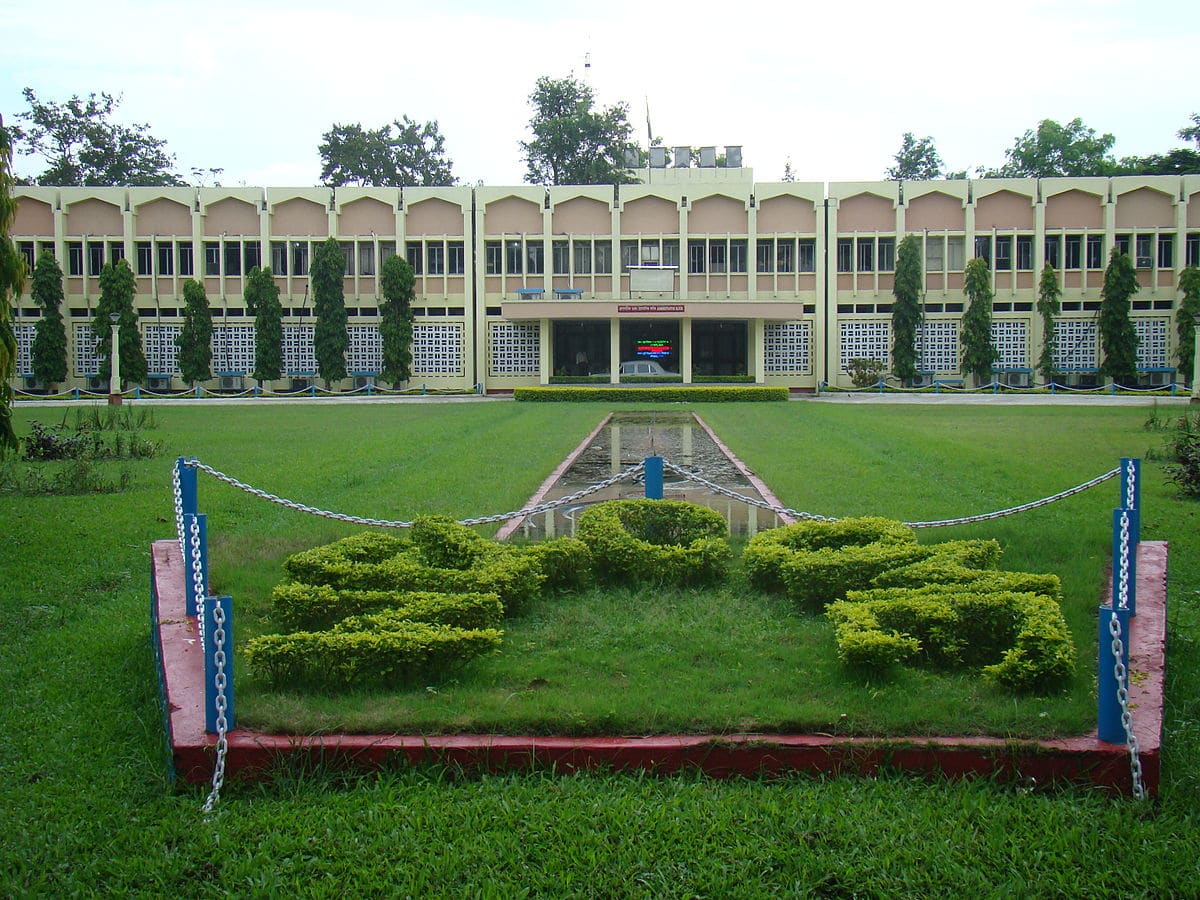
(187,486)
(1109,727)
(211,659)
(194,602)
(654,477)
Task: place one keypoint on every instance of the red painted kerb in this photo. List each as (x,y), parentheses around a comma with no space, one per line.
(1083,759)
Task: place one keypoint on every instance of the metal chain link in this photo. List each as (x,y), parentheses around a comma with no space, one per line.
(625,475)
(177,490)
(1123,571)
(1130,483)
(220,682)
(1131,741)
(197,580)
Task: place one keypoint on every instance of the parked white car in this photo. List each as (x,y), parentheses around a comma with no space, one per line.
(643,368)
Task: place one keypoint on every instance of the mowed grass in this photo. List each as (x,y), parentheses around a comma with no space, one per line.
(87,807)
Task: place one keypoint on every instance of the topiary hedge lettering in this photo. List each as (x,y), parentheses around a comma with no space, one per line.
(309,607)
(661,541)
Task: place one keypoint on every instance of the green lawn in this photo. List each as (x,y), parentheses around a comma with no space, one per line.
(83,789)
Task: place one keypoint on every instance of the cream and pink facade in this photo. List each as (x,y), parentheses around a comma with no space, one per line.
(706,270)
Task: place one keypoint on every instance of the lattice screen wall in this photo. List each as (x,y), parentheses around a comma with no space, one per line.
(937,345)
(1075,344)
(865,340)
(86,362)
(438,349)
(364,355)
(788,348)
(298,355)
(162,356)
(24,335)
(515,348)
(233,349)
(1011,339)
(1152,343)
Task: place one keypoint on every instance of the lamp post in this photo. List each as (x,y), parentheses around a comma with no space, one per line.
(1195,398)
(114,377)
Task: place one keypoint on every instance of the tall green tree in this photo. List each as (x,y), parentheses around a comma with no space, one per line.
(1118,339)
(573,142)
(1059,150)
(978,353)
(330,337)
(1185,323)
(49,350)
(12,282)
(916,160)
(117,286)
(195,339)
(1048,306)
(1191,132)
(262,299)
(906,310)
(414,155)
(396,328)
(83,147)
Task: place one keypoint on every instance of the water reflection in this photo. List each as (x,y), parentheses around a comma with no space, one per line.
(625,440)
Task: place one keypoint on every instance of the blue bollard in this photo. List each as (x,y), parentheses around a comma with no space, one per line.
(188,491)
(210,663)
(654,477)
(1108,714)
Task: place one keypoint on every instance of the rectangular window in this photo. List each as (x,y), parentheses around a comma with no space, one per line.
(866,254)
(1123,243)
(412,252)
(1052,245)
(279,258)
(1024,252)
(1145,251)
(956,254)
(95,257)
(651,253)
(1166,251)
(1192,250)
(602,261)
(1095,251)
(366,257)
(74,258)
(116,251)
(716,256)
(561,250)
(435,258)
(764,255)
(935,253)
(26,249)
(457,258)
(186,265)
(300,258)
(212,258)
(887,254)
(583,257)
(233,257)
(808,255)
(494,258)
(1073,252)
(629,255)
(670,252)
(845,254)
(696,257)
(1003,253)
(145,258)
(347,258)
(252,254)
(166,258)
(737,256)
(535,257)
(387,249)
(513,263)
(983,247)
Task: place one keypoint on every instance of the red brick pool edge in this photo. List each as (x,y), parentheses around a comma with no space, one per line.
(1082,760)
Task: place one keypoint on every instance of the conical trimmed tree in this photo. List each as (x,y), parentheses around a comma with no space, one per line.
(906,310)
(978,353)
(262,299)
(117,285)
(1118,339)
(396,329)
(195,340)
(1185,327)
(1048,306)
(330,337)
(49,350)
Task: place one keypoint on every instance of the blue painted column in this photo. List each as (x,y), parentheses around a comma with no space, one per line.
(1108,717)
(654,477)
(218,607)
(187,486)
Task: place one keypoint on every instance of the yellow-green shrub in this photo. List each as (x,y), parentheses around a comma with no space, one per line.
(566,563)
(310,607)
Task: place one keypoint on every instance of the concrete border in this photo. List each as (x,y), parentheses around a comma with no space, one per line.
(1082,760)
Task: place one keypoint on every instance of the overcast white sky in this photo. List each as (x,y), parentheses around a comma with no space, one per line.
(250,86)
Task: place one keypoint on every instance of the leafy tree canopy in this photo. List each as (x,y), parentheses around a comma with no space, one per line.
(262,299)
(412,154)
(574,143)
(12,282)
(1059,150)
(1118,339)
(397,282)
(82,147)
(1191,132)
(330,337)
(906,310)
(916,160)
(49,349)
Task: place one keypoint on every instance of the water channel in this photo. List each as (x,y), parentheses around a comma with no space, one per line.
(625,439)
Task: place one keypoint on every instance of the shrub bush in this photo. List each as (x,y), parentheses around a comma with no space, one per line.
(664,541)
(313,607)
(445,544)
(566,563)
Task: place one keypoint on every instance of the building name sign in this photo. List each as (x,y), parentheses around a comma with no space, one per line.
(651,308)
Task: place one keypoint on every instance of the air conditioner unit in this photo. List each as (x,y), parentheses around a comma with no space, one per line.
(33,384)
(1156,379)
(362,381)
(1016,379)
(301,384)
(231,382)
(1083,379)
(96,384)
(158,383)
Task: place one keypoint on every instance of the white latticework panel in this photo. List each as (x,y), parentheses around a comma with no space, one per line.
(515,348)
(233,349)
(162,353)
(1075,342)
(1011,340)
(299,358)
(787,348)
(364,355)
(24,335)
(1152,343)
(437,349)
(86,362)
(865,340)
(937,343)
